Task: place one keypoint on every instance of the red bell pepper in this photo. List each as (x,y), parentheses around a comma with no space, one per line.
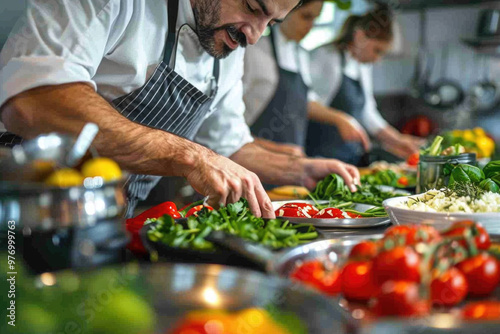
(134,225)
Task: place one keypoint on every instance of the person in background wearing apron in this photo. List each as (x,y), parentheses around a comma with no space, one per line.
(276,89)
(342,77)
(162,80)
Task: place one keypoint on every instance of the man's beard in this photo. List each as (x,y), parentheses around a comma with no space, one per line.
(207,16)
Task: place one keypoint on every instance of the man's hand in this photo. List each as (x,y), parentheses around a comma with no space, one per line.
(224,182)
(317,169)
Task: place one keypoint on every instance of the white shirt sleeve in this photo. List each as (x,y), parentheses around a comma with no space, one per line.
(56,43)
(372,119)
(260,79)
(326,73)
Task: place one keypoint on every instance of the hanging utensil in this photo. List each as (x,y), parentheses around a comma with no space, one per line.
(446,93)
(485,94)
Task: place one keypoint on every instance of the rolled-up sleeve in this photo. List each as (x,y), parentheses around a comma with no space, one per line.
(225,131)
(55,42)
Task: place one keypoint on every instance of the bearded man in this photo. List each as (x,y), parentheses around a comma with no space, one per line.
(162,80)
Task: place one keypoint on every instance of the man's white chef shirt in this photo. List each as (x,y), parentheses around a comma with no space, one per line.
(115,45)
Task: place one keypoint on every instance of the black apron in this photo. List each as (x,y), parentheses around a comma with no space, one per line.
(325,140)
(167,102)
(284,120)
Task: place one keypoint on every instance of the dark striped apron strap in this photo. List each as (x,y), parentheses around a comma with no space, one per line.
(10,140)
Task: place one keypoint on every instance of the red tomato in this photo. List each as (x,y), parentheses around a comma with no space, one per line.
(422,233)
(399,230)
(301,210)
(482,238)
(400,298)
(314,274)
(365,250)
(330,213)
(413,159)
(486,310)
(449,288)
(399,263)
(403,180)
(482,273)
(358,281)
(192,327)
(353,215)
(194,210)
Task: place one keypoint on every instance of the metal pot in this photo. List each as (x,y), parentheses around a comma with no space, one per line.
(59,228)
(430,172)
(36,206)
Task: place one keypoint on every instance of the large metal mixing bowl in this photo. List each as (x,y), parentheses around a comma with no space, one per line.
(170,292)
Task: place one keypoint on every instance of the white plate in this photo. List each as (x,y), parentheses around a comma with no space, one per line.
(338,223)
(441,220)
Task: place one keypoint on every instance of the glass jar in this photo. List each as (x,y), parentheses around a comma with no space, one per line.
(430,172)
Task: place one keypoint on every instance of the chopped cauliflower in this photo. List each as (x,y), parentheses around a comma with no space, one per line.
(440,201)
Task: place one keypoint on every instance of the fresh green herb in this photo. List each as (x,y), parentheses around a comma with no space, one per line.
(334,188)
(234,219)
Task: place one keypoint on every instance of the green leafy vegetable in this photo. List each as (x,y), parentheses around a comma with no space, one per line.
(234,219)
(492,168)
(465,173)
(334,188)
(489,185)
(435,147)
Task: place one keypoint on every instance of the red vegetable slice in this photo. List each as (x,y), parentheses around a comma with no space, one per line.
(299,210)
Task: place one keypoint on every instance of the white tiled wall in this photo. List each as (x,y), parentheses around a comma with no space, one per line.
(445,28)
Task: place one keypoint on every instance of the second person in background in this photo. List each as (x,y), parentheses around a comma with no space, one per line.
(276,88)
(342,77)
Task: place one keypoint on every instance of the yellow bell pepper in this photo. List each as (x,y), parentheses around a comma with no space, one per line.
(486,145)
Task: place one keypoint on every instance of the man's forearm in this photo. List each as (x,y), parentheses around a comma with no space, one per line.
(67,108)
(271,167)
(279,147)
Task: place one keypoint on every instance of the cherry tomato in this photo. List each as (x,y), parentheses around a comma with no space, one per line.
(482,239)
(400,298)
(365,250)
(398,231)
(449,288)
(315,275)
(486,310)
(192,327)
(403,180)
(330,213)
(422,233)
(301,210)
(399,263)
(358,281)
(413,159)
(194,210)
(482,273)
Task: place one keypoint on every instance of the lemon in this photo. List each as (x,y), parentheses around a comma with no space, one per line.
(103,167)
(469,135)
(479,132)
(66,177)
(486,145)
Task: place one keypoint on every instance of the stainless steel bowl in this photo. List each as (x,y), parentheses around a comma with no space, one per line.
(36,206)
(118,299)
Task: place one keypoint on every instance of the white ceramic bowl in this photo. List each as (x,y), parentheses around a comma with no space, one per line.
(403,216)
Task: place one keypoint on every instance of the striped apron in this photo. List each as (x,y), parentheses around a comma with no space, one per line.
(167,102)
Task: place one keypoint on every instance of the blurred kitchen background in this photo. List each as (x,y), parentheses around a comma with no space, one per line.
(445,31)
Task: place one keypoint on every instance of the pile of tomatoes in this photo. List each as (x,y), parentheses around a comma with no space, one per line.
(413,268)
(303,210)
